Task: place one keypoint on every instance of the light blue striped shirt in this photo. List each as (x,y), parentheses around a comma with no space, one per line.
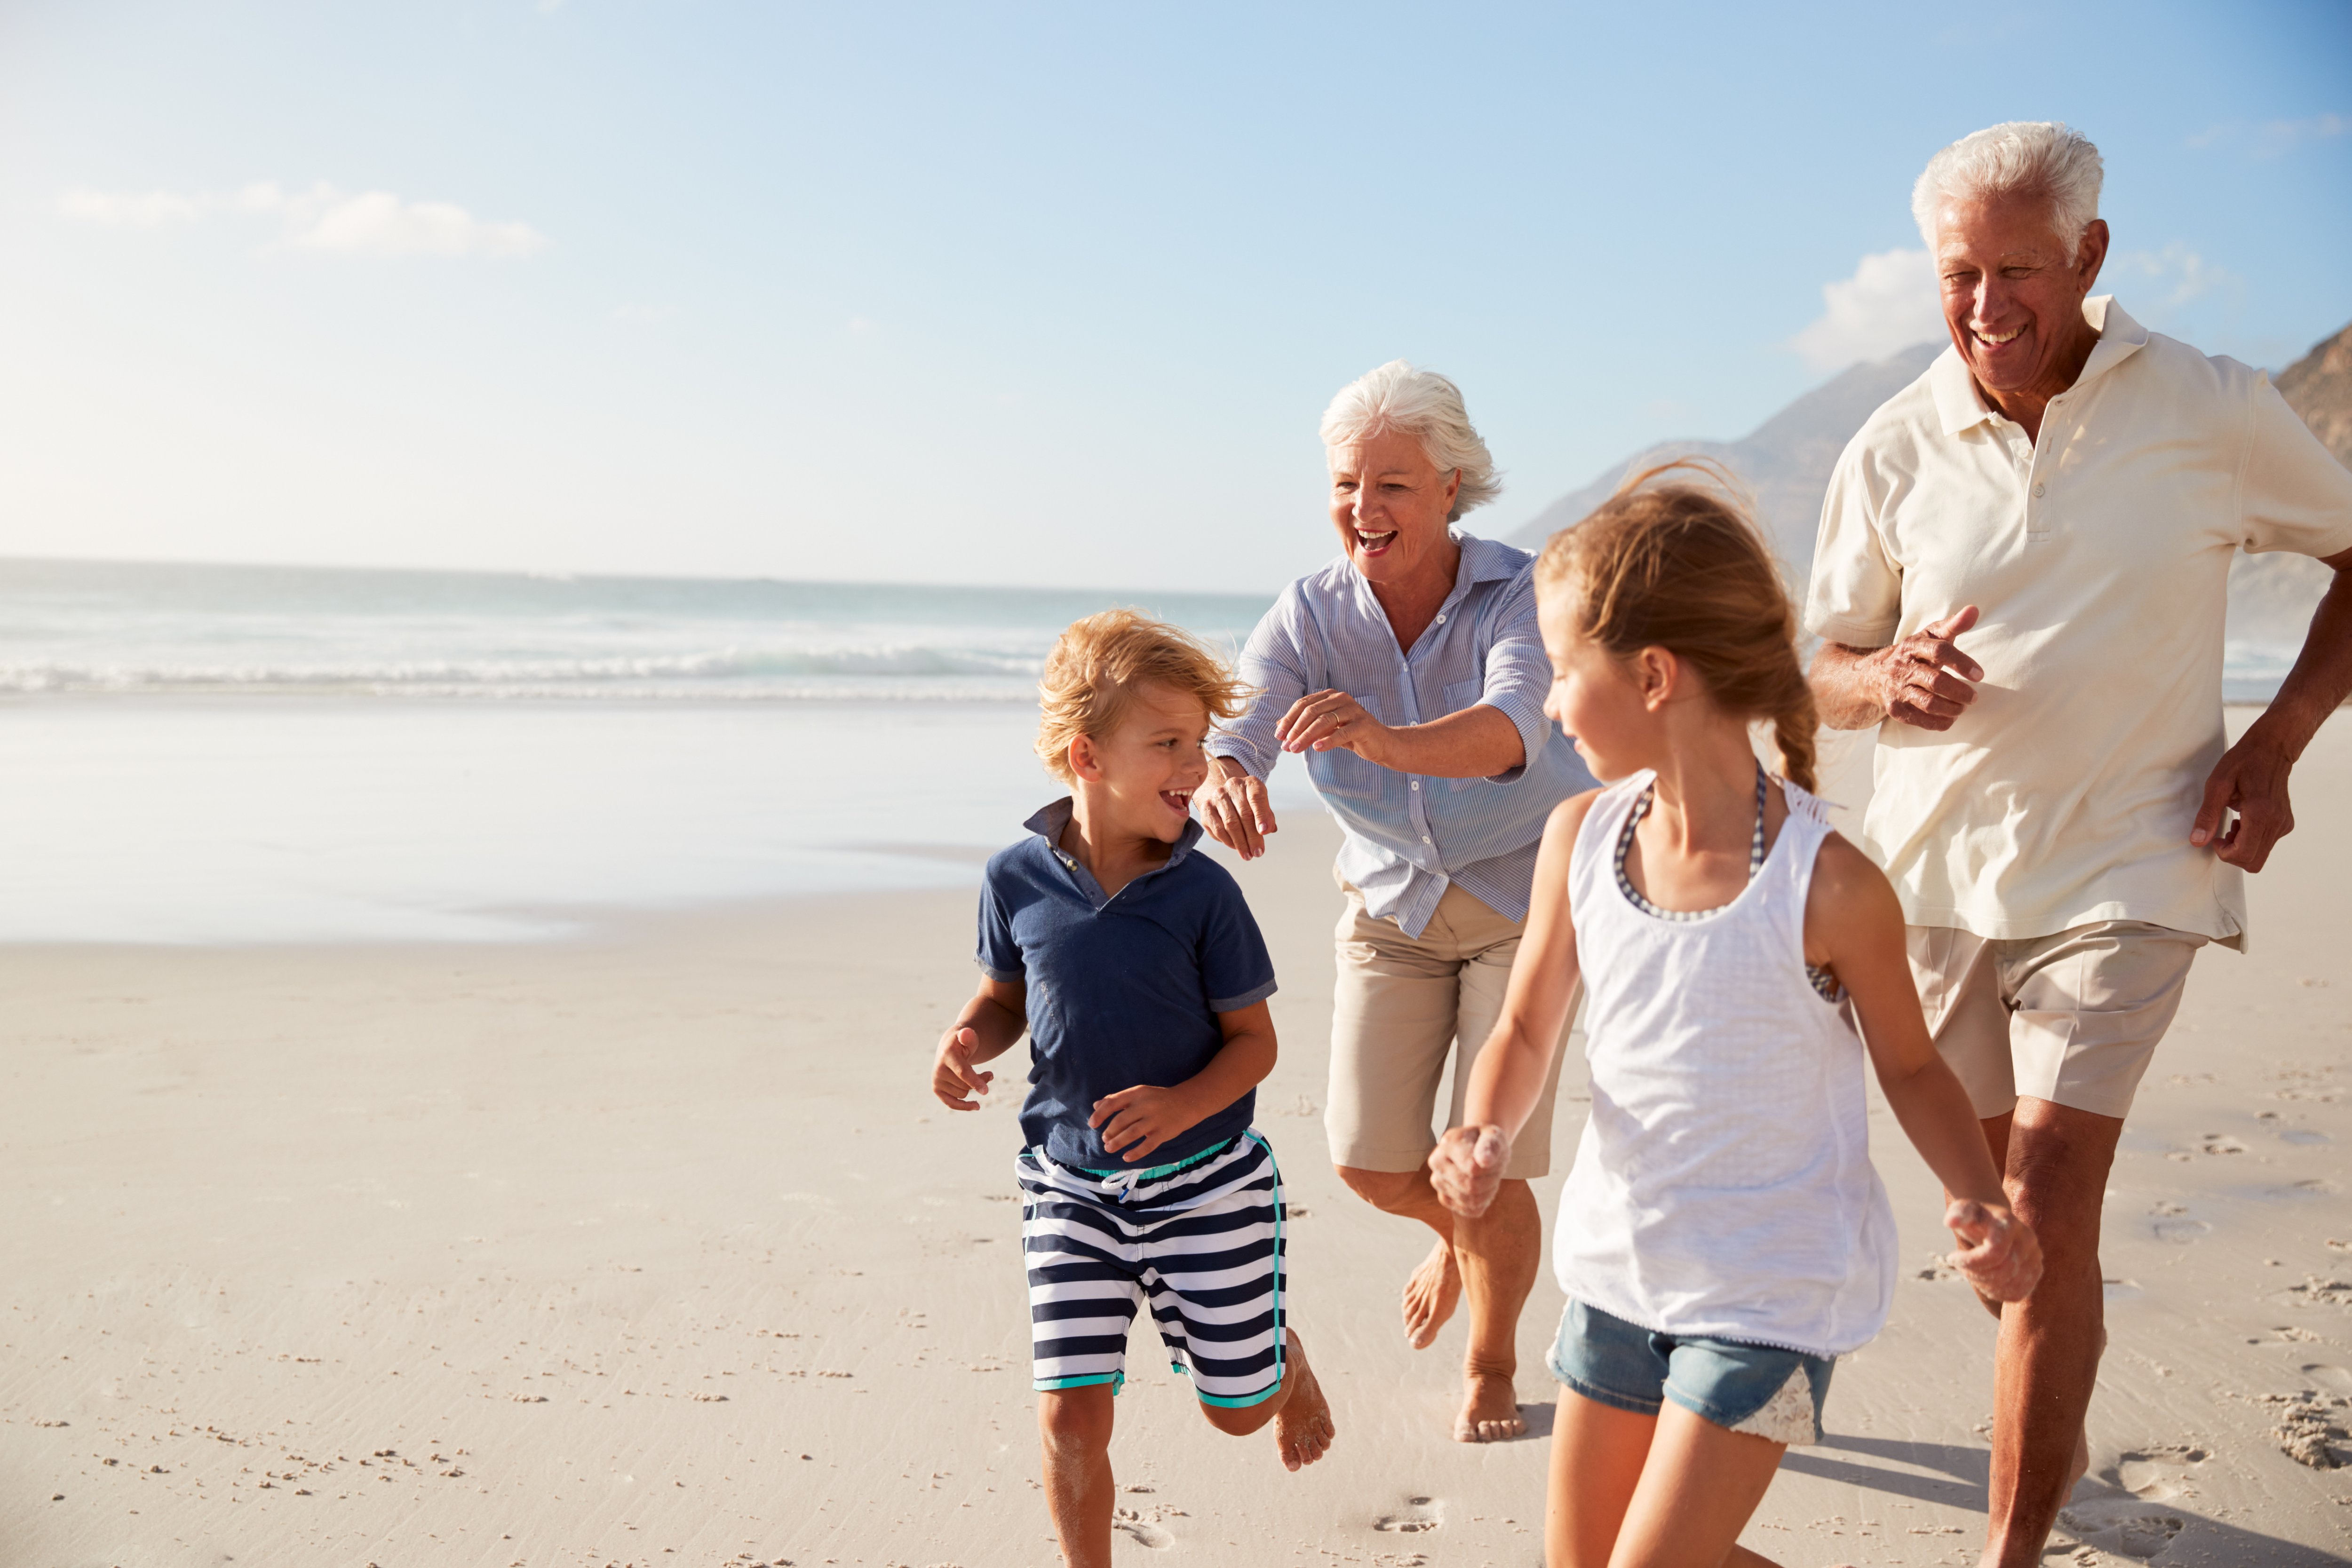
(1407,835)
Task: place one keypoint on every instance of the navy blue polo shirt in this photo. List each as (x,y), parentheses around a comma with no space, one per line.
(1122,990)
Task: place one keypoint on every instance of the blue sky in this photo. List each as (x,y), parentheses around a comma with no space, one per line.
(1024,294)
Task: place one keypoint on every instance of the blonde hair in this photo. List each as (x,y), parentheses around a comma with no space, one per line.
(1096,664)
(1681,566)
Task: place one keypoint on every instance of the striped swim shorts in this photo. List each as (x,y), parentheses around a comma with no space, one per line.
(1202,1240)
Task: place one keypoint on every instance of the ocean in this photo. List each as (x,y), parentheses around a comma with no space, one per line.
(201,753)
(264,754)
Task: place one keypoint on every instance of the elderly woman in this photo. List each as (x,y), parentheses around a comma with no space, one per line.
(1410,675)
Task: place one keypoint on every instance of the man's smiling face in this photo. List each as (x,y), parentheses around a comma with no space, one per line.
(2014,289)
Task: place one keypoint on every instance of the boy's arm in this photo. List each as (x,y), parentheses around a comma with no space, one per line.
(988,1026)
(1467,1167)
(1854,923)
(1137,1121)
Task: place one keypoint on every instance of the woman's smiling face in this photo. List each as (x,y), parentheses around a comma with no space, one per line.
(1390,504)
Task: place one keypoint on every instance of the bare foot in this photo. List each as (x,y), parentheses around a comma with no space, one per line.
(1430,1296)
(1302,1428)
(1490,1410)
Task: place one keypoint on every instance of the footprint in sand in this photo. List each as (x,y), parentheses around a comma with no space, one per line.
(2333,1378)
(2181,1233)
(2156,1474)
(2123,1525)
(1419,1514)
(1141,1530)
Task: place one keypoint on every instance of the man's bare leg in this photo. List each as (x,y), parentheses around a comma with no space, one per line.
(1492,1259)
(1074,1430)
(2047,1361)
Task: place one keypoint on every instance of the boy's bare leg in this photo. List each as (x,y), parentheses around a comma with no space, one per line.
(1493,1259)
(1074,1430)
(1700,1484)
(1301,1415)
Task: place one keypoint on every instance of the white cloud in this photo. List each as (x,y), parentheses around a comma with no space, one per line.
(1889,303)
(130,209)
(2179,271)
(322,218)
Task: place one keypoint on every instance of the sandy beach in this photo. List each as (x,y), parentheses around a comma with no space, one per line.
(651,1248)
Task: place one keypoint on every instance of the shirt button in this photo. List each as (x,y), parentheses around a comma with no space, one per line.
(1441,621)
(2039,488)
(1425,838)
(1416,783)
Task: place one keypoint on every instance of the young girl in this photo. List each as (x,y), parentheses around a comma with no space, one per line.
(1722,1236)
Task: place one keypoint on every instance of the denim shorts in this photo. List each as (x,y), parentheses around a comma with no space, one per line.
(1753,1388)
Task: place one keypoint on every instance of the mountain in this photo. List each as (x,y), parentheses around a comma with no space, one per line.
(1786,462)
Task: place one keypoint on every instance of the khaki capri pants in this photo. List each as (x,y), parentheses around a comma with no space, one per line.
(1404,1004)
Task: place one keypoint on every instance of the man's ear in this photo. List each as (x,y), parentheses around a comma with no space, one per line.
(1084,760)
(2091,253)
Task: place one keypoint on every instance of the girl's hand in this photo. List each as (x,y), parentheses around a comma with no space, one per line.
(952,1074)
(1999,1253)
(1137,1121)
(1466,1168)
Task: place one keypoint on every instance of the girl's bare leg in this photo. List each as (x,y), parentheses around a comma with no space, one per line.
(1699,1485)
(1597,1452)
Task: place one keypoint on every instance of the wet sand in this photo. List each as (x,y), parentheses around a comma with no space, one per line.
(652,1249)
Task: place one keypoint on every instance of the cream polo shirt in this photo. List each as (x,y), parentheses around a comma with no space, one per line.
(2099,560)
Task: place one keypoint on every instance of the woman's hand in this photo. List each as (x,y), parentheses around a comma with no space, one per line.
(953,1076)
(1466,1168)
(1137,1121)
(2000,1254)
(1232,807)
(1322,720)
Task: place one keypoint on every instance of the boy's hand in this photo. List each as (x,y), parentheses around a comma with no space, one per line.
(1137,1121)
(952,1074)
(1466,1168)
(1999,1252)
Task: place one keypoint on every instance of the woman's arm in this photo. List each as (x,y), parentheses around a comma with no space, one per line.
(1467,1167)
(1476,743)
(1853,923)
(1137,1121)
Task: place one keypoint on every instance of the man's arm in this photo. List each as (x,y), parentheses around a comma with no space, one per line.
(2251,777)
(1922,680)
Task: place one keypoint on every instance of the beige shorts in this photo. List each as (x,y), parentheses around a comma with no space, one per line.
(2072,1017)
(1403,1005)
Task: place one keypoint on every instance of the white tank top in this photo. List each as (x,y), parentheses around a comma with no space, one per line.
(1723,1185)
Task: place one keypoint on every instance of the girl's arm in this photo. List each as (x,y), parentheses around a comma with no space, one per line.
(987,1028)
(1853,923)
(1467,1167)
(1137,1121)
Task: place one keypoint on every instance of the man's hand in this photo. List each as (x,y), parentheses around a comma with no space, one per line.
(954,1077)
(1232,807)
(1923,681)
(1321,720)
(1999,1252)
(1137,1121)
(1466,1168)
(2251,779)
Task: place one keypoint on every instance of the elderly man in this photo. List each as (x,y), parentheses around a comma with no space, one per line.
(1410,675)
(2020,577)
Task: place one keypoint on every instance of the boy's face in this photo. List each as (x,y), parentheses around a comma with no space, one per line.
(1142,774)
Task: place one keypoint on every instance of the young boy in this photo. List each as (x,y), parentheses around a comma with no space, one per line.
(1142,979)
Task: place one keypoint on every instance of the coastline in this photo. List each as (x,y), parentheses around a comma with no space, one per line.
(598,1237)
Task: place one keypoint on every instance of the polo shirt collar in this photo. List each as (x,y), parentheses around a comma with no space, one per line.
(1047,823)
(1957,406)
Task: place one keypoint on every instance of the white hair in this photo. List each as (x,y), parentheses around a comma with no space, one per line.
(2042,158)
(1427,407)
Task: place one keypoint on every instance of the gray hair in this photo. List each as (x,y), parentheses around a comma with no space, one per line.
(1427,407)
(2042,158)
